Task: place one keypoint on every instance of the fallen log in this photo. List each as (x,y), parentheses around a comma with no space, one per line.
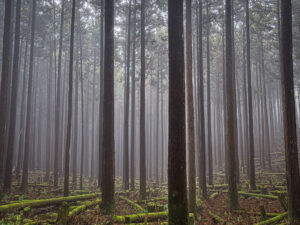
(258,195)
(275,219)
(44,202)
(215,217)
(255,213)
(213,195)
(145,217)
(137,206)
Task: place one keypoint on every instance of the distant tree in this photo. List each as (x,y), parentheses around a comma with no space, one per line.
(209,141)
(289,115)
(250,123)
(58,95)
(202,157)
(178,208)
(190,106)
(108,160)
(29,99)
(69,116)
(231,151)
(142,116)
(132,153)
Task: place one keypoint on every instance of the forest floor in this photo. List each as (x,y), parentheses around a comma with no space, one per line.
(268,202)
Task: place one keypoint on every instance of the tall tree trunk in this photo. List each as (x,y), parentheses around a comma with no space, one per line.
(142,115)
(101,93)
(126,105)
(202,160)
(157,124)
(250,123)
(29,98)
(231,151)
(5,76)
(49,97)
(178,212)
(132,153)
(58,96)
(289,115)
(108,162)
(69,116)
(82,117)
(13,109)
(209,145)
(190,104)
(23,105)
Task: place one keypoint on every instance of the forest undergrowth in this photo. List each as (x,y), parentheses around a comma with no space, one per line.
(265,205)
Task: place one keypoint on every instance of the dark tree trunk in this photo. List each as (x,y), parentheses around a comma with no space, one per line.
(142,116)
(230,127)
(58,96)
(108,162)
(29,98)
(69,116)
(5,76)
(289,116)
(190,105)
(101,93)
(132,154)
(202,160)
(250,123)
(13,108)
(178,208)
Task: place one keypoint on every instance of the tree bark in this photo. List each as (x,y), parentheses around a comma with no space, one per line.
(69,116)
(142,115)
(230,128)
(289,117)
(190,104)
(108,162)
(178,214)
(29,98)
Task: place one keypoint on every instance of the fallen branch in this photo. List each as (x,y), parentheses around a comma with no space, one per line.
(273,220)
(44,202)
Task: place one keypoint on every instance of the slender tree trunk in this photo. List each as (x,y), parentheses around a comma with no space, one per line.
(126,104)
(29,98)
(250,123)
(101,93)
(178,210)
(202,160)
(108,162)
(190,104)
(231,151)
(69,116)
(157,124)
(142,116)
(132,154)
(289,115)
(82,117)
(58,96)
(209,144)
